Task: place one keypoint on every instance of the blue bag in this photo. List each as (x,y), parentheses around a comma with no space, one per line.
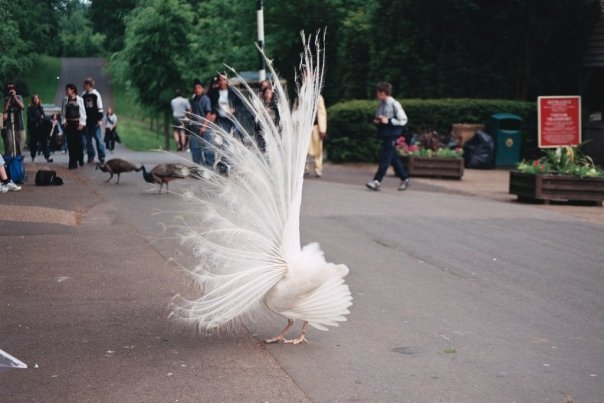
(15,168)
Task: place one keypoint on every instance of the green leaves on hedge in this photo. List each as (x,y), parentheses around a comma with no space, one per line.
(353,137)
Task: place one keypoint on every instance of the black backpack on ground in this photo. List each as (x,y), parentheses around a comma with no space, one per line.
(47,178)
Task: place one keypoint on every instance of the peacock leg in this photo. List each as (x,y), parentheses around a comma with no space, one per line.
(300,339)
(109,178)
(280,337)
(118,179)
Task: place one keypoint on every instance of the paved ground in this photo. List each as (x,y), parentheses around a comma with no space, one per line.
(458,297)
(460,293)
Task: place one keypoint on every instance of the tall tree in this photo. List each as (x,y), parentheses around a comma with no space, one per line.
(14,58)
(284,21)
(108,18)
(223,33)
(154,59)
(77,35)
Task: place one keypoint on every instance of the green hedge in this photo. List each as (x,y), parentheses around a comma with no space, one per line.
(353,137)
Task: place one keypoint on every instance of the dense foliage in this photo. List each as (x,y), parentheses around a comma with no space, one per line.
(156,49)
(438,49)
(353,137)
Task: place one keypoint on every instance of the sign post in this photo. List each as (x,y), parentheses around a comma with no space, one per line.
(559,120)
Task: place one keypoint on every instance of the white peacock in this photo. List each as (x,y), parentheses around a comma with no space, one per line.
(246,235)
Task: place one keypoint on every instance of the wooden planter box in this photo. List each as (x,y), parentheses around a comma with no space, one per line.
(556,187)
(436,167)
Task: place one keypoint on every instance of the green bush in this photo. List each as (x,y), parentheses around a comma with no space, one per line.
(353,137)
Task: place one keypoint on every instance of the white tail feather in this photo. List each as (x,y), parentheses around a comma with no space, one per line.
(246,232)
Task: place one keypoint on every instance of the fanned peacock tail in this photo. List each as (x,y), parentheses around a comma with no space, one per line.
(245,228)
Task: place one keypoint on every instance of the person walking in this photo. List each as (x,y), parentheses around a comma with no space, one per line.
(13,122)
(201,108)
(226,104)
(73,119)
(390,119)
(38,137)
(268,99)
(94,120)
(319,131)
(180,105)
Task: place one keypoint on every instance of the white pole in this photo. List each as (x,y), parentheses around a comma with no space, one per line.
(260,22)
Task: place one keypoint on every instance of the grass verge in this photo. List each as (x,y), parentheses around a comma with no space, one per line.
(134,125)
(42,78)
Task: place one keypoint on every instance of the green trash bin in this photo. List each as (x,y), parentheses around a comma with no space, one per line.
(505,130)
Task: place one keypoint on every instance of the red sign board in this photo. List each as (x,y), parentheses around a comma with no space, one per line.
(559,121)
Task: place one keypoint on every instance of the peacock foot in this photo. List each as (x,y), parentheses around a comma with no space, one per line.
(299,340)
(278,339)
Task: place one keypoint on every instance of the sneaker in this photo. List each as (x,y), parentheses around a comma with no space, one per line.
(11,186)
(373,185)
(90,160)
(3,188)
(49,159)
(81,162)
(404,184)
(102,160)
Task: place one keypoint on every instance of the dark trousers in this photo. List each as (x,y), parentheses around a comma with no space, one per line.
(110,139)
(74,144)
(389,156)
(37,138)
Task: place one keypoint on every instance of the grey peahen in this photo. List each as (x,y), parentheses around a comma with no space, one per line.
(117,166)
(164,173)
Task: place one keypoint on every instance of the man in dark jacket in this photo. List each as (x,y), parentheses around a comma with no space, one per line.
(226,104)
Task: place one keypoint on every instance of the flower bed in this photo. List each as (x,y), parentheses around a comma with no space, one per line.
(556,187)
(439,167)
(439,162)
(562,174)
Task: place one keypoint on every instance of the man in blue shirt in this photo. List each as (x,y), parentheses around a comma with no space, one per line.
(201,135)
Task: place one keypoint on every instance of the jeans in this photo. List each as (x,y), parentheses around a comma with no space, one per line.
(208,148)
(94,130)
(389,156)
(195,145)
(201,149)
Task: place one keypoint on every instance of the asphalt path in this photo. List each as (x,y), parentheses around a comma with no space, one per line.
(76,69)
(456,298)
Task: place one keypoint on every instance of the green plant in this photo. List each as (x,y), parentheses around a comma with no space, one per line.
(353,137)
(562,161)
(42,78)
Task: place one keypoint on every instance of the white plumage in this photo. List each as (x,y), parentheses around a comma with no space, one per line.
(246,235)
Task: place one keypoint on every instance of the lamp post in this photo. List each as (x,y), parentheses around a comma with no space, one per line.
(260,22)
